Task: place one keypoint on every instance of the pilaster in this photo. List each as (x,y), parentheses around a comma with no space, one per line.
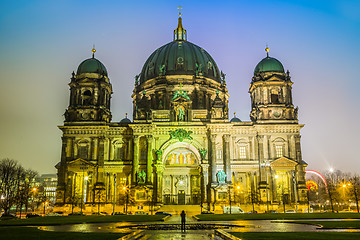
(150,140)
(226,139)
(213,158)
(135,167)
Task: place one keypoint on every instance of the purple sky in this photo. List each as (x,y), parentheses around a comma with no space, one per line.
(42,42)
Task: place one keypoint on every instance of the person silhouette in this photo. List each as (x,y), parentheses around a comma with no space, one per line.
(183,220)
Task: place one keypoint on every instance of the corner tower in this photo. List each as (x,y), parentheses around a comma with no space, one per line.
(90,93)
(270,91)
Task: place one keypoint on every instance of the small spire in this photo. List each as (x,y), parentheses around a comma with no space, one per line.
(180,32)
(93,50)
(125,115)
(234,114)
(267,49)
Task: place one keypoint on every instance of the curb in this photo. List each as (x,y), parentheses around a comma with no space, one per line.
(134,235)
(225,235)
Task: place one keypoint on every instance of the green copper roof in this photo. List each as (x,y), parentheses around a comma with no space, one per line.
(235,119)
(269,64)
(92,65)
(180,58)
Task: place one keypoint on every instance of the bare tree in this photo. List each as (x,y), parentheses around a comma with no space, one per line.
(15,184)
(9,181)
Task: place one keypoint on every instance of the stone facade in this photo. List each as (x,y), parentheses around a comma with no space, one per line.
(181,147)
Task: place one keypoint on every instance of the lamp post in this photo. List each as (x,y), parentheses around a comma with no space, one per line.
(329,189)
(230,197)
(114,197)
(126,199)
(83,195)
(45,203)
(34,191)
(238,193)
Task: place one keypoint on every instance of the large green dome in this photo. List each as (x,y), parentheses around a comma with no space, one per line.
(180,58)
(269,64)
(92,65)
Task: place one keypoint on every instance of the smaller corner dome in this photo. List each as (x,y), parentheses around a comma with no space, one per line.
(125,120)
(269,64)
(92,65)
(235,119)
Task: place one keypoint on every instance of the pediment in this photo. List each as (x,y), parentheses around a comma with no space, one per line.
(80,162)
(283,162)
(181,99)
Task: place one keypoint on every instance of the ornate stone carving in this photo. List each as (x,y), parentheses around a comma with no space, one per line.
(203,152)
(141,177)
(181,134)
(221,176)
(158,154)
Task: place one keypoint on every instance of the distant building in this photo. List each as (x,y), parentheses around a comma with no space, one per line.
(47,183)
(181,147)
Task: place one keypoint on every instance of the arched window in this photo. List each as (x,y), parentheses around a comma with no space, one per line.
(275,95)
(87,97)
(119,150)
(279,147)
(83,149)
(241,149)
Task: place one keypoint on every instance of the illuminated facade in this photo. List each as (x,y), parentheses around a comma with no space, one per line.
(181,147)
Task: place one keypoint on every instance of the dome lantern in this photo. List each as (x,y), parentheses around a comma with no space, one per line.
(180,32)
(269,64)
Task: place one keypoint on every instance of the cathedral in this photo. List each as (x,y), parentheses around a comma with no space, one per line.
(181,148)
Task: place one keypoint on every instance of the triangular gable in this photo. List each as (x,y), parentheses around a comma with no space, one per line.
(283,162)
(80,162)
(181,99)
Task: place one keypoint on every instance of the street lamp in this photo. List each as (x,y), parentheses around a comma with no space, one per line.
(126,198)
(34,191)
(114,197)
(45,203)
(83,195)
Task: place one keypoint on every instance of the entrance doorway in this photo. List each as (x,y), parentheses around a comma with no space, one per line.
(181,197)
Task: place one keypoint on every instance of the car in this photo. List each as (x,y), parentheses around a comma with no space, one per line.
(207,212)
(290,211)
(7,216)
(76,214)
(271,211)
(118,213)
(32,215)
(163,213)
(53,214)
(252,212)
(141,213)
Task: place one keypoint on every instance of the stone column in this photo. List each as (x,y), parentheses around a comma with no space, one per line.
(136,158)
(149,159)
(253,149)
(204,181)
(213,158)
(159,177)
(266,147)
(292,148)
(111,150)
(101,159)
(106,148)
(69,147)
(286,101)
(95,148)
(226,139)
